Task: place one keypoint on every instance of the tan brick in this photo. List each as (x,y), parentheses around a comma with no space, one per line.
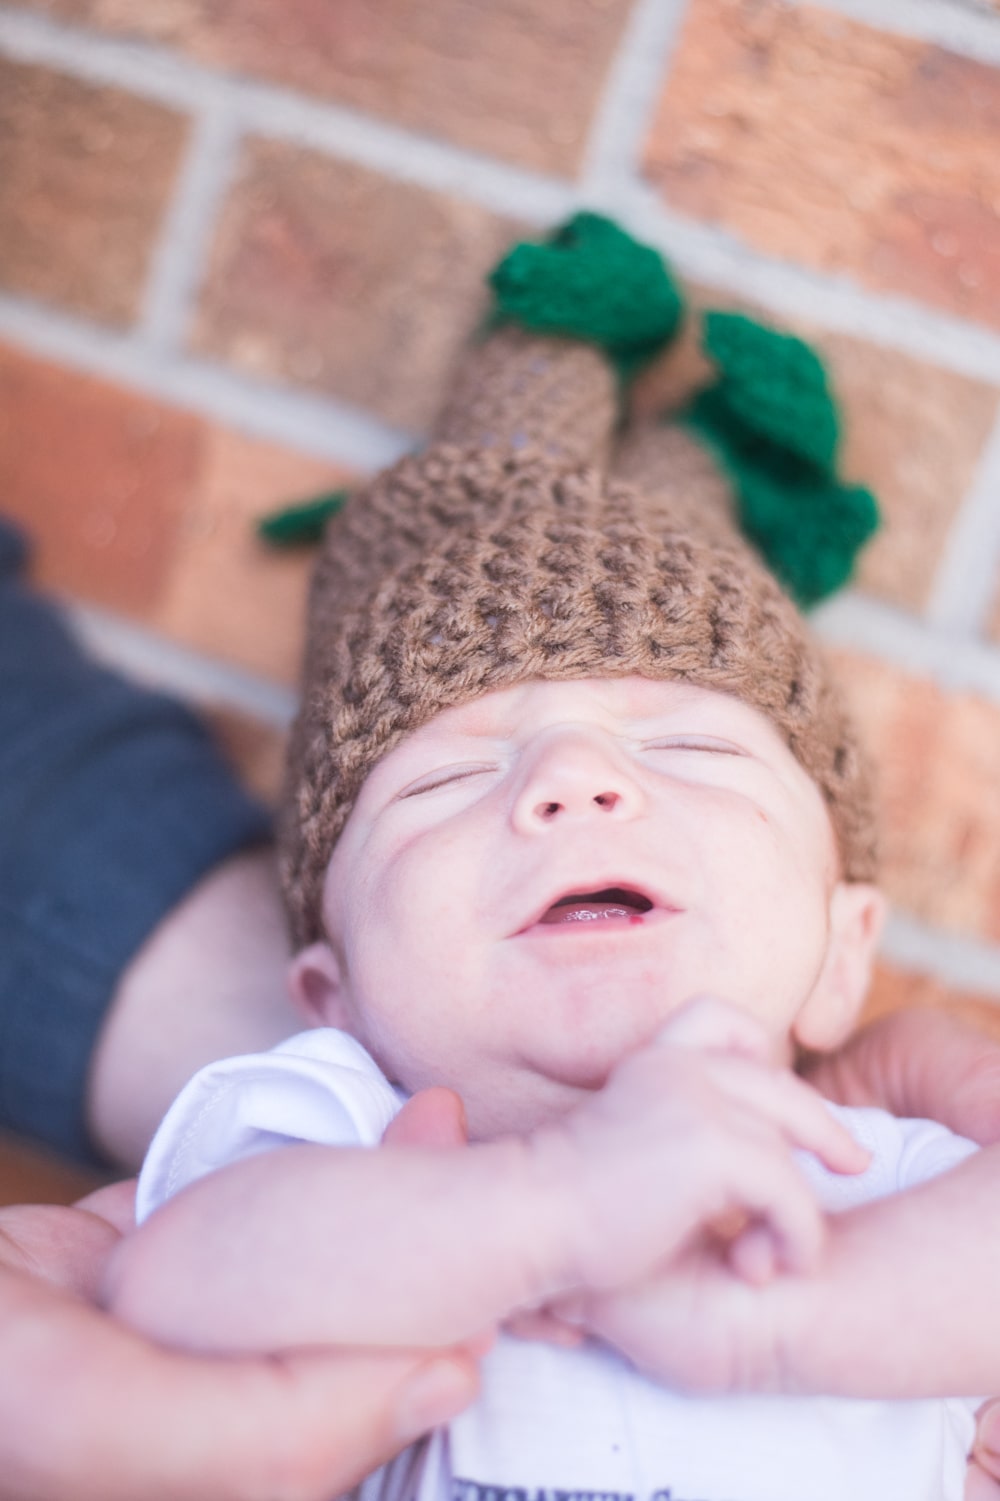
(515,80)
(85,175)
(913,433)
(228,593)
(827,142)
(940,794)
(328,275)
(149,512)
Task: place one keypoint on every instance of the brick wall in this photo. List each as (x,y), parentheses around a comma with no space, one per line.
(244,239)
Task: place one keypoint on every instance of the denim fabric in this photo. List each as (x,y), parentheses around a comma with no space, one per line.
(113,803)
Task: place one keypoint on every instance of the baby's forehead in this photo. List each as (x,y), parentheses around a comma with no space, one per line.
(618,701)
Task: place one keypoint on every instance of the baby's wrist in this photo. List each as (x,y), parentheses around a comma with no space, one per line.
(575,1230)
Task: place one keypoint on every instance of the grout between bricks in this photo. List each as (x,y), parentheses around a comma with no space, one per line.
(956,663)
(321,426)
(635,78)
(964,590)
(965,963)
(964,28)
(181,255)
(160,663)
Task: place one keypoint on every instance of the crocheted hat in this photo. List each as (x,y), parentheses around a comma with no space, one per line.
(518,545)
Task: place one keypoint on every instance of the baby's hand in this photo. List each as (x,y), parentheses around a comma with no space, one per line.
(691,1140)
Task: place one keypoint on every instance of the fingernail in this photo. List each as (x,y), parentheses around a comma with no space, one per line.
(434,1395)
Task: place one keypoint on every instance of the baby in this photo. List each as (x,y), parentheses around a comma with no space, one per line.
(578,829)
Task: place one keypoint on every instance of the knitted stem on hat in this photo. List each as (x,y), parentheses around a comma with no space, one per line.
(592,281)
(773,426)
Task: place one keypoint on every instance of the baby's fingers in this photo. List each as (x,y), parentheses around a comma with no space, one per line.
(795,1108)
(781,1211)
(708,1024)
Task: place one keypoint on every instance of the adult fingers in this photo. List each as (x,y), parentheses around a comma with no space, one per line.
(921,1061)
(115,1202)
(90,1412)
(65,1247)
(432,1118)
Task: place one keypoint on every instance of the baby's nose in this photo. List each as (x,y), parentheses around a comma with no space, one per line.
(572,776)
(605,801)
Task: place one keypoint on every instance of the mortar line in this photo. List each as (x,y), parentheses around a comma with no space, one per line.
(319,425)
(940,22)
(716,258)
(956,960)
(967,578)
(270,110)
(629,99)
(956,663)
(181,254)
(199,679)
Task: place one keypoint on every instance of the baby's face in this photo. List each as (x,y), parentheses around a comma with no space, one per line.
(530,884)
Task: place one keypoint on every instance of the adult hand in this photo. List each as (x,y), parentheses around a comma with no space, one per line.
(90,1411)
(925,1061)
(921,1061)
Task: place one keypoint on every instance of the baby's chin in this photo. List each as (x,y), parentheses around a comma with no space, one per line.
(529,1101)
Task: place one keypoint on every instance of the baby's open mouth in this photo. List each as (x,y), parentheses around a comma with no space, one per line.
(597,906)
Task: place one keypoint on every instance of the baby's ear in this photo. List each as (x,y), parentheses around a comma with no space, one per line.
(857,915)
(314,984)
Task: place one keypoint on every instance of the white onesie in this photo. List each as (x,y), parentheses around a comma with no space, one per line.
(581,1425)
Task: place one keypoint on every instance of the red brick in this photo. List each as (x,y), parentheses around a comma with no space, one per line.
(227,593)
(99,475)
(913,433)
(827,142)
(85,176)
(515,80)
(149,512)
(328,275)
(940,795)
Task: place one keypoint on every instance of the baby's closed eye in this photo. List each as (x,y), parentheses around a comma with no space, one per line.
(694,743)
(443,777)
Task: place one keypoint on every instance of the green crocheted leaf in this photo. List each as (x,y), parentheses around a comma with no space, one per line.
(592,281)
(807,525)
(775,385)
(810,535)
(295,526)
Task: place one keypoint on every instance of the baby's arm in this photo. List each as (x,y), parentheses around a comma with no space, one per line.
(903,1302)
(415,1246)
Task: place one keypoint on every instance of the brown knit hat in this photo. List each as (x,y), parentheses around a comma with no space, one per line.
(503,553)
